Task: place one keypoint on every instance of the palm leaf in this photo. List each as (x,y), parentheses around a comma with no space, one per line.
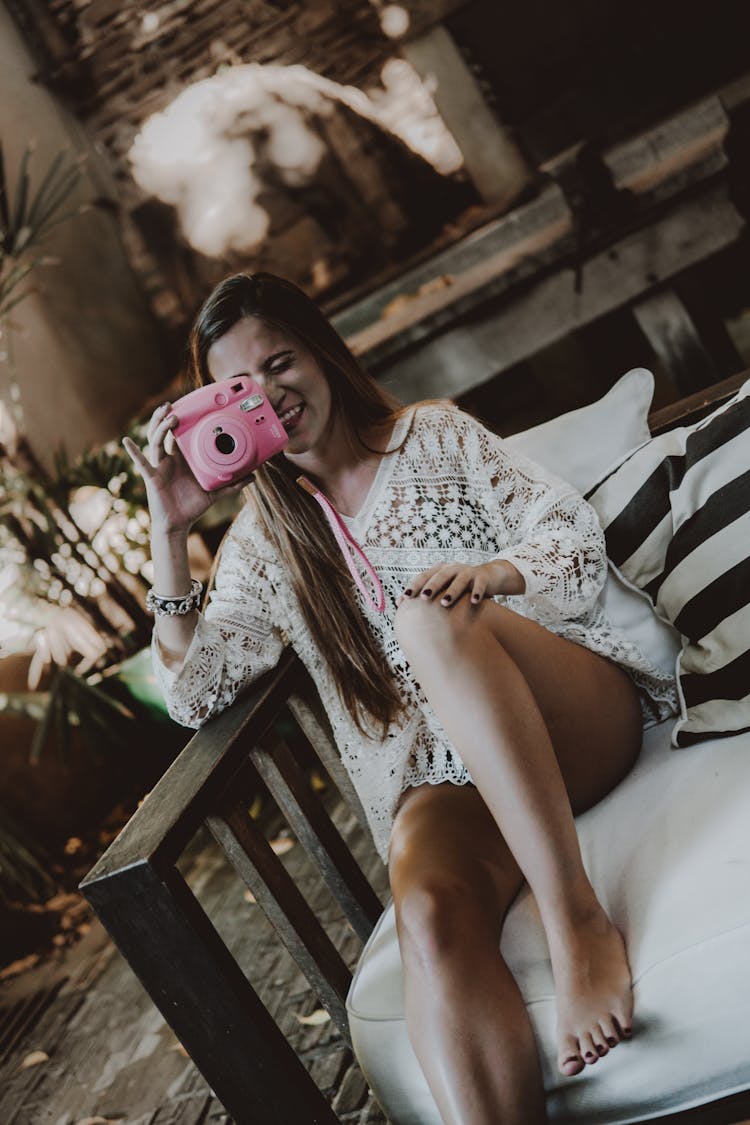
(4,211)
(63,717)
(22,194)
(20,866)
(57,196)
(41,734)
(12,303)
(12,279)
(44,187)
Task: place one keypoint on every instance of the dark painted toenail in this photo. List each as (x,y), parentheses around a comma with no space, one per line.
(601,1050)
(590,1055)
(627,1031)
(612,1042)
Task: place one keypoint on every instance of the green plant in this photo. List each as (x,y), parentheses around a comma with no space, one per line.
(27,217)
(73,551)
(21,870)
(62,584)
(73,543)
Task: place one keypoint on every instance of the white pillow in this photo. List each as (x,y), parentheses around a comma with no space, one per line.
(582,445)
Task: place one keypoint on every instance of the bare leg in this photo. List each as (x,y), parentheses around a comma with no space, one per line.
(453,879)
(542,725)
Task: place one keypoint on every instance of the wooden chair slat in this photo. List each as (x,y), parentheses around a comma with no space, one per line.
(318,835)
(277,894)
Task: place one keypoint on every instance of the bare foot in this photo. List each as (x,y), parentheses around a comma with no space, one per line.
(594,993)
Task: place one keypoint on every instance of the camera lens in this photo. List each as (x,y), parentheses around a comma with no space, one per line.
(225,443)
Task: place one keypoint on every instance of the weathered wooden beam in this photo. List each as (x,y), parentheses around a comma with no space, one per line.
(491,155)
(318,835)
(315,728)
(277,894)
(503,252)
(688,410)
(669,329)
(177,805)
(483,340)
(163,932)
(680,150)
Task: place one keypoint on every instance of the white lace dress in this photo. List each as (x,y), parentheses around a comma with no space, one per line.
(452,491)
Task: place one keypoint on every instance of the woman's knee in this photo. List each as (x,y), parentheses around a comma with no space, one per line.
(438,916)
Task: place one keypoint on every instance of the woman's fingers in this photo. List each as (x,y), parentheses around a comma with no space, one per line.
(158,415)
(449,582)
(457,586)
(468,578)
(479,588)
(142,464)
(423,582)
(158,442)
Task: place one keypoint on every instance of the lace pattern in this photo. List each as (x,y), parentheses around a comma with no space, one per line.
(452,491)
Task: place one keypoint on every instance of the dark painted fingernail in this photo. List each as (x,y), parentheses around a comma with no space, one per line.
(446,600)
(408,592)
(426,593)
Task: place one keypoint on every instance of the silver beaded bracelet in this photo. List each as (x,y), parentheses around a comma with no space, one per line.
(173,606)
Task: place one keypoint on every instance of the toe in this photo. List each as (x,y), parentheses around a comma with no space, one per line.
(623,1014)
(611,1031)
(588,1049)
(570,1061)
(600,1041)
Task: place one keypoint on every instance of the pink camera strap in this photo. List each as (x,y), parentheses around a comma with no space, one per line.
(350,548)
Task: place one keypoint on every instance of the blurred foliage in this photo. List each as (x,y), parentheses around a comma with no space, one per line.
(74,558)
(27,217)
(74,543)
(22,873)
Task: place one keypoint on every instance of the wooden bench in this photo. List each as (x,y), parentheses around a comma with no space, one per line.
(143,900)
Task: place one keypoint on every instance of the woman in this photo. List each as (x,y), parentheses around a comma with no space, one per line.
(487,704)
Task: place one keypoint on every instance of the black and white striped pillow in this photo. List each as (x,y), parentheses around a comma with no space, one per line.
(676,515)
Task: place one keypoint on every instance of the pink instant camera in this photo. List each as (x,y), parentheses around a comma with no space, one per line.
(226,430)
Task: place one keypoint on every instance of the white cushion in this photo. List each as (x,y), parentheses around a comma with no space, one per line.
(668,853)
(582,445)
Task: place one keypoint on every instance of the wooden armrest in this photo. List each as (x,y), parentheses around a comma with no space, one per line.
(693,407)
(161,929)
(177,805)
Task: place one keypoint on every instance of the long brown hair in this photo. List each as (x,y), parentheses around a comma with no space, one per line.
(295,523)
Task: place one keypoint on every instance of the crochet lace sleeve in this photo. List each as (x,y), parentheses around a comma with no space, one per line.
(235,640)
(555,538)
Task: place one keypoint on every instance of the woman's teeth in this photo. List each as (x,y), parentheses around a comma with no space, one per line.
(291,415)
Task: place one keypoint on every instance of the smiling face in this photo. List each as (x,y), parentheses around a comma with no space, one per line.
(290,375)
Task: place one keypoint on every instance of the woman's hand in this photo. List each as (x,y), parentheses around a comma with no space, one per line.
(175,499)
(450,581)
